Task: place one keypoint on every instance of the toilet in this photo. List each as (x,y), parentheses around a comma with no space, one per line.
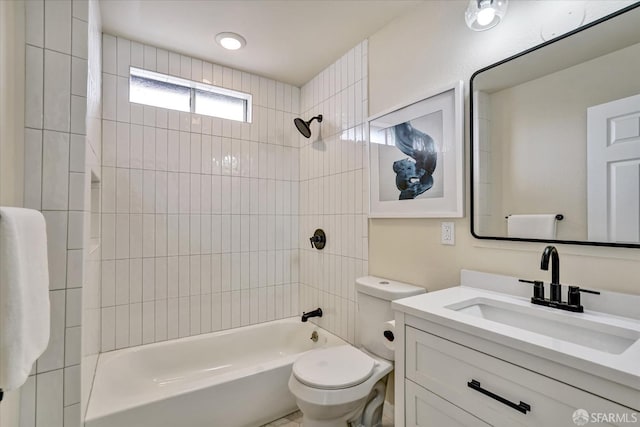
(344,385)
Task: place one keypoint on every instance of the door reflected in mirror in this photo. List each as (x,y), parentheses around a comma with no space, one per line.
(556,130)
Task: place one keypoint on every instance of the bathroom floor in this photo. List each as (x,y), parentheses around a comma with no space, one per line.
(295,420)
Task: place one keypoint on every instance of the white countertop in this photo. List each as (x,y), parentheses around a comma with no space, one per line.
(623,368)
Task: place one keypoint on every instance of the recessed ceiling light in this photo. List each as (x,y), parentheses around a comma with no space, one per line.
(231,41)
(484,14)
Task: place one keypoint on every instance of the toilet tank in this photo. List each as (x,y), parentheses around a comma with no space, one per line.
(374,296)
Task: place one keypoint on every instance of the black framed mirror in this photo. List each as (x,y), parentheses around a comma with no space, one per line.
(555,139)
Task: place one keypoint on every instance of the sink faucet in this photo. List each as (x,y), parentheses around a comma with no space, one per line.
(315,313)
(555,299)
(556,288)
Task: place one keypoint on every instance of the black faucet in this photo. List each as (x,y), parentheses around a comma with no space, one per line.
(556,288)
(555,299)
(315,313)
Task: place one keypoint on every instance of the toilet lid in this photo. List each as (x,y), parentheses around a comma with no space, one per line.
(334,367)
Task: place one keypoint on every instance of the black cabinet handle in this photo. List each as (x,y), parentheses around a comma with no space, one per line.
(522,407)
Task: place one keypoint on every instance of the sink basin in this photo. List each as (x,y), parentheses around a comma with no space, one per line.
(570,328)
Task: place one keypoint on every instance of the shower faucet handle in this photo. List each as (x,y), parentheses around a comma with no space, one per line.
(318,240)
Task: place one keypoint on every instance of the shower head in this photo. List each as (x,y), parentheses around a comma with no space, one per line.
(303,126)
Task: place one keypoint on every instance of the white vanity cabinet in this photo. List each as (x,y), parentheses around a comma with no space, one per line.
(448,378)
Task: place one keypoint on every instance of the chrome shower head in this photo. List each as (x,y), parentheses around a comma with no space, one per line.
(303,127)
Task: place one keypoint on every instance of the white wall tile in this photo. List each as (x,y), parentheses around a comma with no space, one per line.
(122,326)
(72,345)
(148,322)
(184,321)
(79,38)
(35,23)
(160,321)
(72,385)
(53,357)
(34,85)
(121,285)
(56,247)
(109,89)
(72,413)
(149,58)
(109,54)
(122,236)
(122,99)
(78,114)
(135,280)
(74,307)
(172,318)
(33,169)
(57,91)
(77,153)
(185,67)
(108,144)
(174,64)
(137,55)
(135,324)
(123,56)
(57,26)
(162,61)
(135,235)
(136,146)
(136,113)
(74,268)
(49,398)
(136,190)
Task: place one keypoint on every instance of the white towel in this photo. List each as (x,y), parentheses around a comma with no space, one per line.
(24,293)
(542,226)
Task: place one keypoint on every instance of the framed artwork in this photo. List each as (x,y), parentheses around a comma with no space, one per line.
(416,158)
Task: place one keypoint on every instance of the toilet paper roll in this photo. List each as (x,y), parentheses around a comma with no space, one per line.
(389,332)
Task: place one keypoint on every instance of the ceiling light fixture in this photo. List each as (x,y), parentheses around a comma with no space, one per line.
(230,41)
(484,14)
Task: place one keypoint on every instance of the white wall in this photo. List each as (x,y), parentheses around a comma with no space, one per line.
(93,154)
(11,141)
(334,192)
(199,214)
(11,103)
(55,129)
(436,49)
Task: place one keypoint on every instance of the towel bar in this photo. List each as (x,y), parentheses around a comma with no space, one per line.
(559,217)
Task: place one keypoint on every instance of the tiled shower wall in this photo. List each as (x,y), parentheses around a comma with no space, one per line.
(199,214)
(93,148)
(333,191)
(55,180)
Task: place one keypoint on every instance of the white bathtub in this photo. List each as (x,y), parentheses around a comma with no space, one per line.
(230,378)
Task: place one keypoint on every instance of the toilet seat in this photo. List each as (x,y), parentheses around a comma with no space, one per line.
(334,368)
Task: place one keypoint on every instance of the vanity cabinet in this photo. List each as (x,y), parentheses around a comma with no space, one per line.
(445,381)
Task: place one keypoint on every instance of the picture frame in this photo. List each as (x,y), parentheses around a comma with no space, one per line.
(416,157)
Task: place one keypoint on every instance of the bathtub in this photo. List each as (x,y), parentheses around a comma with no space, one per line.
(231,378)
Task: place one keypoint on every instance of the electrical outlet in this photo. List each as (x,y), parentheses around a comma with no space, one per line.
(448,233)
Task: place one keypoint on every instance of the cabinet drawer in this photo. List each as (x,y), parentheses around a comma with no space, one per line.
(493,390)
(424,408)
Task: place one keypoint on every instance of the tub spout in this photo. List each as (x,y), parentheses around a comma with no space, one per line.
(315,313)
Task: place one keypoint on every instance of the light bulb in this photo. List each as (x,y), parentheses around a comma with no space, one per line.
(486,15)
(233,44)
(230,41)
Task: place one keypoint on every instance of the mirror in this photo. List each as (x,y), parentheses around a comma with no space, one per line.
(556,139)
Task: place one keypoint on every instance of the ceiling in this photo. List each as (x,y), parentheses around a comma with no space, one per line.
(287,40)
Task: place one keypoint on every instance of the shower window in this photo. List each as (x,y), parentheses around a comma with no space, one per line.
(173,93)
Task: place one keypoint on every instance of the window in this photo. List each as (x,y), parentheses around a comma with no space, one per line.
(173,93)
